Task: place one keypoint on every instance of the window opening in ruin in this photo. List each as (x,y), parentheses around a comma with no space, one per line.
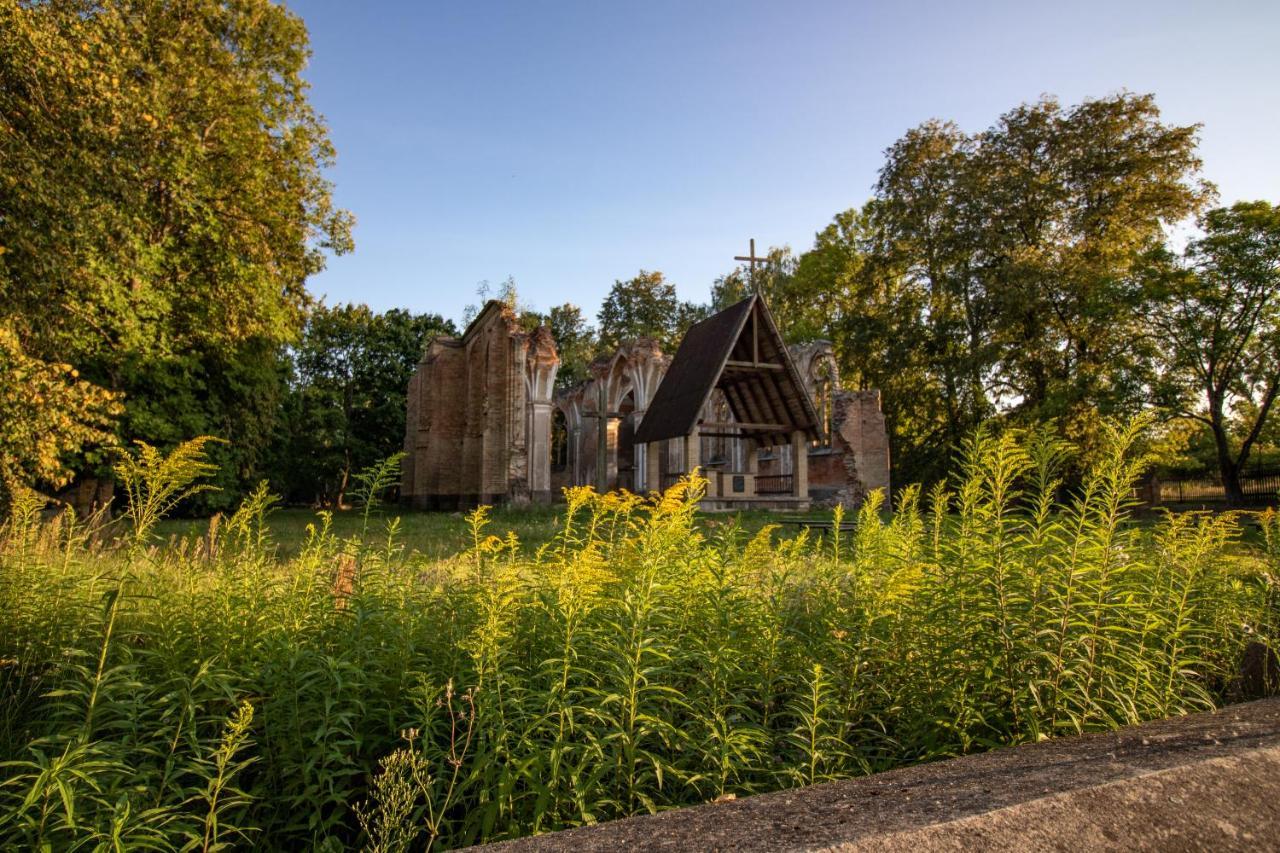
(559,440)
(824,391)
(626,443)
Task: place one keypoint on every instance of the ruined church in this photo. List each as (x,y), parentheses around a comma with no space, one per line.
(767,424)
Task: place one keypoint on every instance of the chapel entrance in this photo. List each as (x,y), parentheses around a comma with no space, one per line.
(732,390)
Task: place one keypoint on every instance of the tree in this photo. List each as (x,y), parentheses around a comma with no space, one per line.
(506,293)
(48,413)
(876,317)
(644,306)
(924,242)
(1023,245)
(797,303)
(575,343)
(1068,203)
(1221,330)
(346,408)
(163,198)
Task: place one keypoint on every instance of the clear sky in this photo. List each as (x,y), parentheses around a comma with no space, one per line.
(572,144)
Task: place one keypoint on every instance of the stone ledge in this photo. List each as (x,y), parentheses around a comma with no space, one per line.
(1203,781)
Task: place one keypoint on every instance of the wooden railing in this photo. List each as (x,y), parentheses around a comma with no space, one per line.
(670,478)
(775,484)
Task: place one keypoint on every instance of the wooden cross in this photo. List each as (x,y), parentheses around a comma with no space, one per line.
(752,259)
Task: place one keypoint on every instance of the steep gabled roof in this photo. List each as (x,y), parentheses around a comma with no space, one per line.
(740,351)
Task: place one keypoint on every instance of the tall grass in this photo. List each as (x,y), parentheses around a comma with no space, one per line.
(206,695)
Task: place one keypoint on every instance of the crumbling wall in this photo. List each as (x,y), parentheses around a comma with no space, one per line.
(858,461)
(475,406)
(626,380)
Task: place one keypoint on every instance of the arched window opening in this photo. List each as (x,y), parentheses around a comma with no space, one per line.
(559,441)
(824,392)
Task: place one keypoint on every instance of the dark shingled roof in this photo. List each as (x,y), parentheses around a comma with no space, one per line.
(699,366)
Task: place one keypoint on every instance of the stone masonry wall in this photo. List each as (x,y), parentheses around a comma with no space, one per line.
(861,446)
(475,402)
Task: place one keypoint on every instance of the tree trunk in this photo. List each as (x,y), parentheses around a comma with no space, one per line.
(1227,466)
(346,480)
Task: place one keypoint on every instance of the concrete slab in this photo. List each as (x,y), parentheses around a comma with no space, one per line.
(1206,781)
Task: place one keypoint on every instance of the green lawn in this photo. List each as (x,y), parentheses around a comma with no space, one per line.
(442,534)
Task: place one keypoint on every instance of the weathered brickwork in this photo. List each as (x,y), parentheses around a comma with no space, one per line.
(479,416)
(861,444)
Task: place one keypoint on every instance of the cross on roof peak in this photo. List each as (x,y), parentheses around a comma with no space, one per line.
(752,259)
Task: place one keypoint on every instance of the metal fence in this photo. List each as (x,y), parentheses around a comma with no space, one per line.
(1260,485)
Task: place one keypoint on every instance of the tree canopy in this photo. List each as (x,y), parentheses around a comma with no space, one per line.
(162,201)
(645,306)
(1219,323)
(345,407)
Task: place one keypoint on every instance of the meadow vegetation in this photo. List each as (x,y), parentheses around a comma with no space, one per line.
(211,691)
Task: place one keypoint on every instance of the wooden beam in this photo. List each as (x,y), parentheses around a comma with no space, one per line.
(758,402)
(750,427)
(754,365)
(755,329)
(737,403)
(773,391)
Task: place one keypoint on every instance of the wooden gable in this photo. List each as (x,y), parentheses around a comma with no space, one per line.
(739,351)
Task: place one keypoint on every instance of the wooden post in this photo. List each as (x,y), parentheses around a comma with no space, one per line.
(653,466)
(753,465)
(692,451)
(799,465)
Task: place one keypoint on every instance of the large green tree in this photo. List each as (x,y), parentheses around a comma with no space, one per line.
(575,343)
(878,322)
(162,200)
(1220,332)
(345,409)
(1021,247)
(645,306)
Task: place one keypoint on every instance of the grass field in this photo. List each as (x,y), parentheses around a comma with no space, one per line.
(286,682)
(436,535)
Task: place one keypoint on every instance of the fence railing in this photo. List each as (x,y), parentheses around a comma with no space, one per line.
(670,478)
(1261,485)
(775,484)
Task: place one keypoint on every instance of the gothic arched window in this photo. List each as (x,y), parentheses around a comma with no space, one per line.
(559,440)
(823,391)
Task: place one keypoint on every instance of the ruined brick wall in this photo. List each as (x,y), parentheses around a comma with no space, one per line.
(625,381)
(473,403)
(860,443)
(855,463)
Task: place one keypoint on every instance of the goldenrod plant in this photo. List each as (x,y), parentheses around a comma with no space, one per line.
(207,692)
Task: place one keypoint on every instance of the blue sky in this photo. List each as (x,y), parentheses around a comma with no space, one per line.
(572,144)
